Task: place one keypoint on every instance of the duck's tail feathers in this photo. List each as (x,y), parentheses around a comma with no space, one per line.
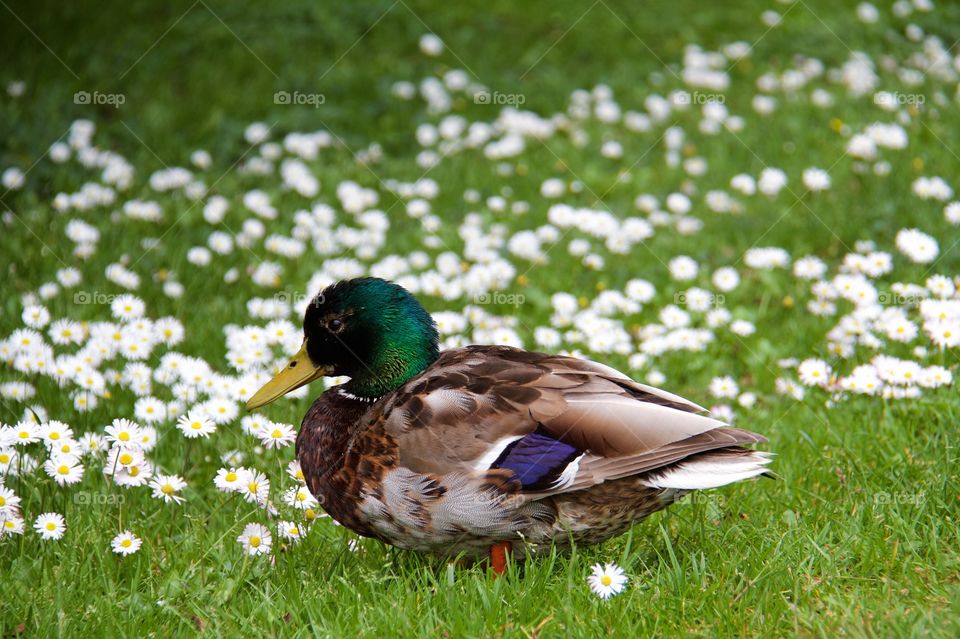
(711,469)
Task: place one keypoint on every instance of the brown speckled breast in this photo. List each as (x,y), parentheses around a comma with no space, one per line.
(335,473)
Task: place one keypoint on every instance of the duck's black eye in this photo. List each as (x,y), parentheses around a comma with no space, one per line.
(335,325)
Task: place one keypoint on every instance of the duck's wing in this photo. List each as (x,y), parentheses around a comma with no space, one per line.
(558,423)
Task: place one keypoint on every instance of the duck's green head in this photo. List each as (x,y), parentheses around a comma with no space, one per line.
(371,330)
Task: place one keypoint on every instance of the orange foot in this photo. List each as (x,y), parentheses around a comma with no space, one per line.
(498,557)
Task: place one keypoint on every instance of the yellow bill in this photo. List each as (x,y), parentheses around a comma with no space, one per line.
(298,372)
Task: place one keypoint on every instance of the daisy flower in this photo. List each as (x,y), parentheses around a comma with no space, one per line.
(683,268)
(816,179)
(54,431)
(295,472)
(50,526)
(127,307)
(195,424)
(289,530)
(231,480)
(126,543)
(150,410)
(814,372)
(257,488)
(9,502)
(724,387)
(121,457)
(124,432)
(25,433)
(65,469)
(222,410)
(166,487)
(134,475)
(8,457)
(274,435)
(919,247)
(607,580)
(300,498)
(256,539)
(12,525)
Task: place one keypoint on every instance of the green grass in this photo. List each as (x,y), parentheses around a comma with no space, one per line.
(858,537)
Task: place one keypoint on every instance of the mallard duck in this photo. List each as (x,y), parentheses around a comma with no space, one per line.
(486,449)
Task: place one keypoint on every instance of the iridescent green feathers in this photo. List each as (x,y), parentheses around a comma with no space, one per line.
(371,330)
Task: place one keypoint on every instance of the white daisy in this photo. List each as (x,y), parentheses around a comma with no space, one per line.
(50,526)
(231,480)
(276,435)
(65,469)
(166,487)
(126,543)
(289,530)
(195,424)
(607,580)
(256,539)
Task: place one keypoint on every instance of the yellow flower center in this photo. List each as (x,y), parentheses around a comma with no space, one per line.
(167,489)
(276,434)
(293,530)
(606,580)
(253,487)
(134,471)
(3,500)
(51,526)
(231,476)
(126,458)
(4,459)
(63,469)
(310,514)
(124,436)
(9,524)
(196,425)
(126,543)
(54,435)
(255,542)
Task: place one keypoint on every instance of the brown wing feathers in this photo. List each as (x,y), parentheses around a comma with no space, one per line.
(451,416)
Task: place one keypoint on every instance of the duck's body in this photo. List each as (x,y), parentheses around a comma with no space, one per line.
(494,444)
(486,447)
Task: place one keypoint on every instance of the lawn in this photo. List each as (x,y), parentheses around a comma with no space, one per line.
(538,155)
